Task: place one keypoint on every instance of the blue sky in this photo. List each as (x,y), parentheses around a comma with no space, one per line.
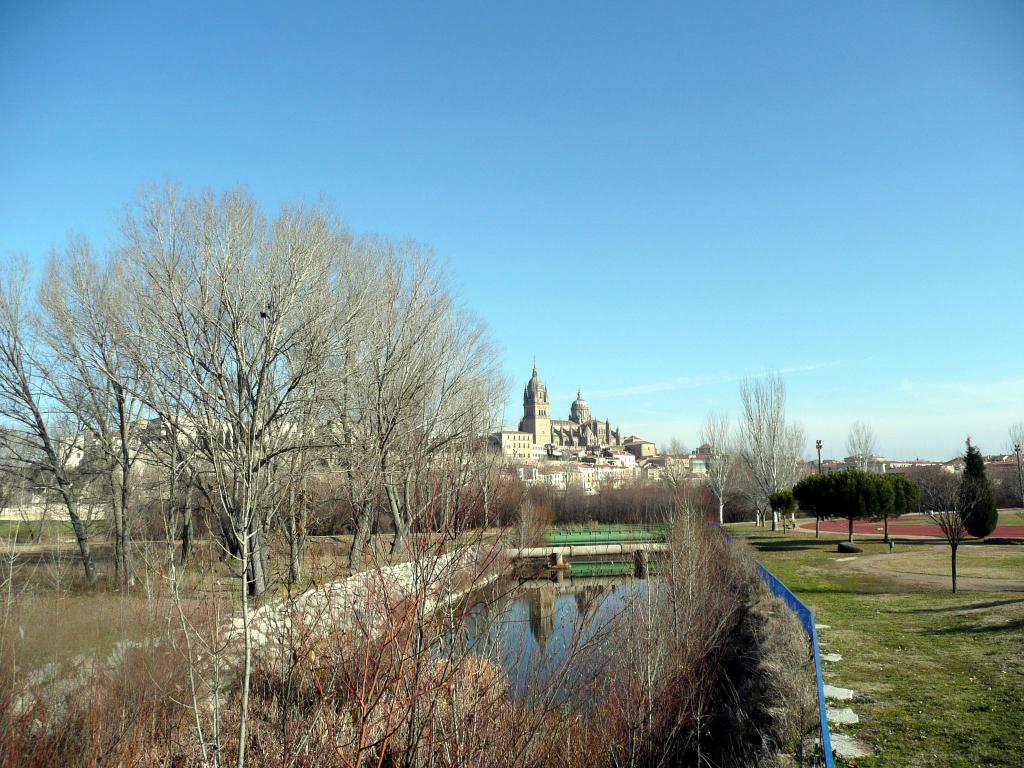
(653,199)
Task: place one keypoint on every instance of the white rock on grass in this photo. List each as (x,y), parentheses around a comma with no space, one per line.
(848,747)
(831,657)
(838,694)
(844,716)
(822,626)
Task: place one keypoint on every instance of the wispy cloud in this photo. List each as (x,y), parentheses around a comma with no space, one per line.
(694,382)
(968,394)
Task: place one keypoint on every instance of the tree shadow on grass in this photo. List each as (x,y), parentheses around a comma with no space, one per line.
(971,607)
(770,544)
(868,592)
(979,629)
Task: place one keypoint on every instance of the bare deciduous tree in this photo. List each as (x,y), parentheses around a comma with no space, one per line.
(861,445)
(44,442)
(1016,433)
(92,378)
(718,433)
(944,501)
(772,448)
(237,320)
(675,447)
(424,381)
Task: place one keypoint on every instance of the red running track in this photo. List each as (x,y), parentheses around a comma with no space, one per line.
(903,527)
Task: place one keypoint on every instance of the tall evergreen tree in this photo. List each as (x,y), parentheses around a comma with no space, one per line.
(976,497)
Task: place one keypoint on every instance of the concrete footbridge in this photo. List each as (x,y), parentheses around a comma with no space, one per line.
(578,546)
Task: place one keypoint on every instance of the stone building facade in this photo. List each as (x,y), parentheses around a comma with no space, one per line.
(640,448)
(536,410)
(516,445)
(580,430)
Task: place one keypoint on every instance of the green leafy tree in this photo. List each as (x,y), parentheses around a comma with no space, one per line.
(811,495)
(885,501)
(901,497)
(853,495)
(783,502)
(976,495)
(861,497)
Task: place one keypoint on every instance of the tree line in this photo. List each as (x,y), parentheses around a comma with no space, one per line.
(856,494)
(220,359)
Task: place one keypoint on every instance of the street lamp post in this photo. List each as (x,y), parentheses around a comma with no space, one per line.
(1020,474)
(817,515)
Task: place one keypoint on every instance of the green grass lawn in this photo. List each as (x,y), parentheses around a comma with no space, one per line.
(24,531)
(939,677)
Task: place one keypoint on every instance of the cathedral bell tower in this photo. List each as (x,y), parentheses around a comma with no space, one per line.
(536,410)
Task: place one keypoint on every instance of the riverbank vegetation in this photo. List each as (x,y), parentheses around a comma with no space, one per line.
(631,504)
(705,666)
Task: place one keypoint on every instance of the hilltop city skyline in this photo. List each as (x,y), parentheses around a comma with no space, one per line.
(720,393)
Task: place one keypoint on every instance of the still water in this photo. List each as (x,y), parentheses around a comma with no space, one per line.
(552,636)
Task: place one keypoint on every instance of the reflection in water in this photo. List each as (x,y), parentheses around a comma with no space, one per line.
(549,635)
(541,603)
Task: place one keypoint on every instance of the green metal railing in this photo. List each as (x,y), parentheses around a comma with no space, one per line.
(605,534)
(584,568)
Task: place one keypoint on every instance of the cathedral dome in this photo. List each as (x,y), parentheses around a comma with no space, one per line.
(535,391)
(580,411)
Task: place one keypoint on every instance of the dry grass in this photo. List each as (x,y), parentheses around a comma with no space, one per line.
(328,697)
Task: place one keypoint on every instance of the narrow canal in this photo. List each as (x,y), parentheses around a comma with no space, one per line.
(553,635)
